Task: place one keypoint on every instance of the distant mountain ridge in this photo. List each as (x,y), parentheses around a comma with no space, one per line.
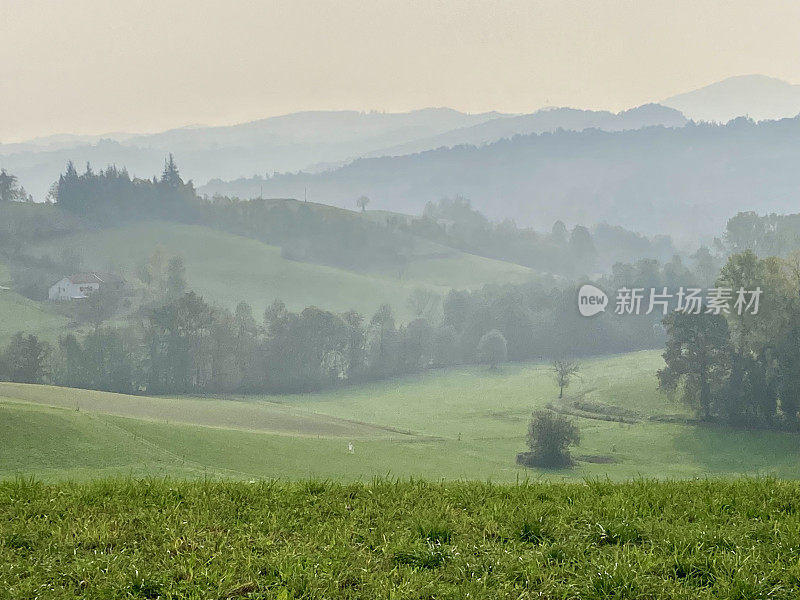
(653,180)
(543,121)
(756,96)
(322,141)
(284,143)
(318,127)
(311,141)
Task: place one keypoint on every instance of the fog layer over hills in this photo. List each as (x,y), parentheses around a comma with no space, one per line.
(310,141)
(643,168)
(653,180)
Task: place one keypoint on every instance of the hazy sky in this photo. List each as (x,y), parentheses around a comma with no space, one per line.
(93,66)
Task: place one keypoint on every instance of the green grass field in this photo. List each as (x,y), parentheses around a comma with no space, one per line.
(592,540)
(465,423)
(227,268)
(20,314)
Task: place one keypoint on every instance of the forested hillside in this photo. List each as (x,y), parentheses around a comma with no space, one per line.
(310,141)
(349,296)
(652,180)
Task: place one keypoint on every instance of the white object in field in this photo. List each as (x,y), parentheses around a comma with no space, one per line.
(350,448)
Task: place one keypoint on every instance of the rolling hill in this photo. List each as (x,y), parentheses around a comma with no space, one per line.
(546,120)
(227,268)
(18,313)
(464,423)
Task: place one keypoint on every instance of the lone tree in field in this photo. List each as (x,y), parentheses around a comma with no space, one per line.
(564,371)
(492,349)
(550,436)
(362,203)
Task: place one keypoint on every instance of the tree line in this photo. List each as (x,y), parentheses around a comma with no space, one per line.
(766,235)
(743,369)
(180,343)
(330,236)
(581,250)
(188,345)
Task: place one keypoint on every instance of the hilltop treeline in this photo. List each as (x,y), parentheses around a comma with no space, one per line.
(766,235)
(112,197)
(454,222)
(326,235)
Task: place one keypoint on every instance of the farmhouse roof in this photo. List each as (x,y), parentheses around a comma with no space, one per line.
(93,277)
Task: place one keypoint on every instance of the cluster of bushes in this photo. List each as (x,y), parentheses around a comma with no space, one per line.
(549,438)
(539,320)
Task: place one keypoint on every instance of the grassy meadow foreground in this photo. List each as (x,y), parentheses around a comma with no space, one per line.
(464,423)
(129,538)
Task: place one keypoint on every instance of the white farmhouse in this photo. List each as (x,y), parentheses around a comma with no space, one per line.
(80,285)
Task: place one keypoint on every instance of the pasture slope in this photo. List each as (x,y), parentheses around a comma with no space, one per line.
(227,269)
(18,313)
(463,423)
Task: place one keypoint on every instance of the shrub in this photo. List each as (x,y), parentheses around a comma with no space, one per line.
(549,437)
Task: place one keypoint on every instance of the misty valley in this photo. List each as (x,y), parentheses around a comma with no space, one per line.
(500,347)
